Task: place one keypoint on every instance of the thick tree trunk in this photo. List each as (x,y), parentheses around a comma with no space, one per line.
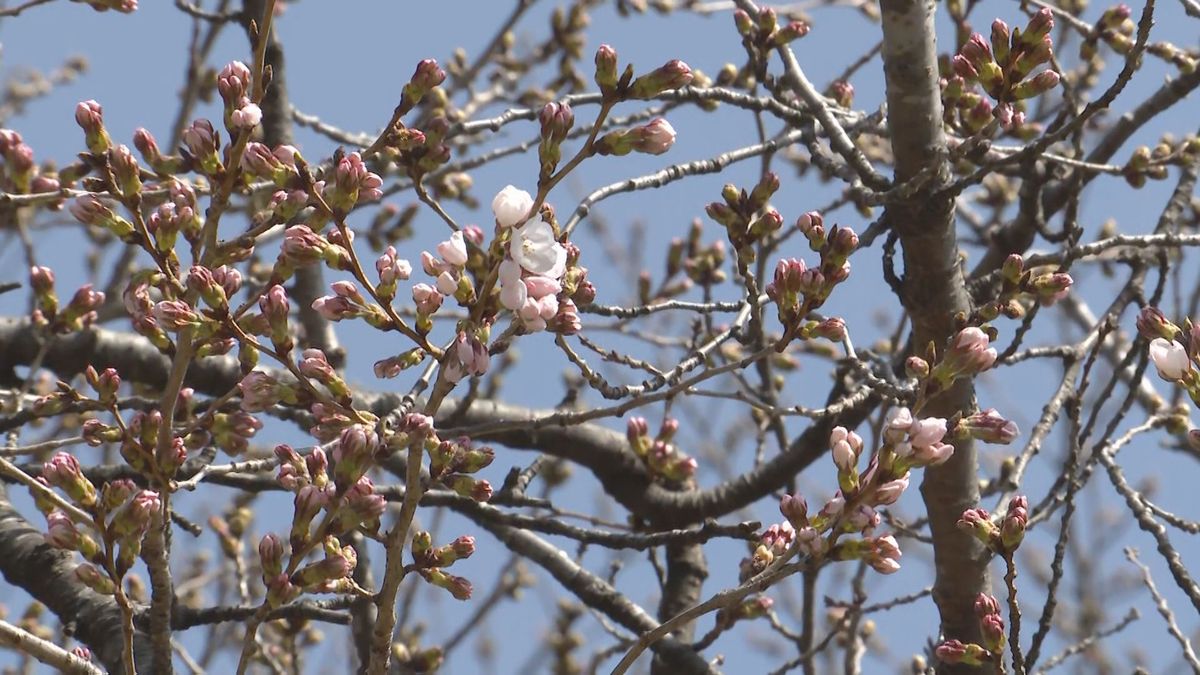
(933,293)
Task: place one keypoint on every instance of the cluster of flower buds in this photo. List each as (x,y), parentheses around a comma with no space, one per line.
(392,270)
(451,463)
(347,302)
(1002,68)
(18,173)
(908,444)
(771,544)
(307,477)
(234,83)
(419,151)
(360,508)
(968,354)
(912,442)
(798,289)
(278,166)
(556,121)
(881,552)
(1115,28)
(330,574)
(141,450)
(106,383)
(260,391)
(1004,538)
(853,515)
(430,562)
(991,626)
(448,268)
(77,315)
(178,215)
(1174,350)
(1145,163)
(96,212)
(654,138)
(202,148)
(1020,288)
(232,431)
(988,426)
(349,183)
(662,458)
(746,216)
(701,265)
(303,246)
(119,515)
(140,306)
(761,34)
(353,454)
(670,76)
(468,355)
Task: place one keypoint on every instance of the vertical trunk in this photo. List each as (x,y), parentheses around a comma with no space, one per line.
(933,293)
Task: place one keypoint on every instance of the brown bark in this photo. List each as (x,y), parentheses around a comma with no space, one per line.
(933,293)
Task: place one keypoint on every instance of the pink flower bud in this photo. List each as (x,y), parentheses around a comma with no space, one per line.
(978,522)
(427,298)
(990,427)
(458,587)
(89,116)
(795,509)
(41,279)
(392,269)
(259,391)
(1012,528)
(125,169)
(654,138)
(203,142)
(884,554)
(890,492)
(247,116)
(175,315)
(606,67)
(1152,323)
(61,532)
(233,82)
(672,75)
(556,120)
(270,553)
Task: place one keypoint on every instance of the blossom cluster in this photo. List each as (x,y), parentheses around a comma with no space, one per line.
(1002,67)
(105,526)
(661,457)
(797,289)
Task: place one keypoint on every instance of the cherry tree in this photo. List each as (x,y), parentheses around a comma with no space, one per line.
(300,388)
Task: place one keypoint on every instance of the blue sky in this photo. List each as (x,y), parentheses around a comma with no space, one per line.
(347,62)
